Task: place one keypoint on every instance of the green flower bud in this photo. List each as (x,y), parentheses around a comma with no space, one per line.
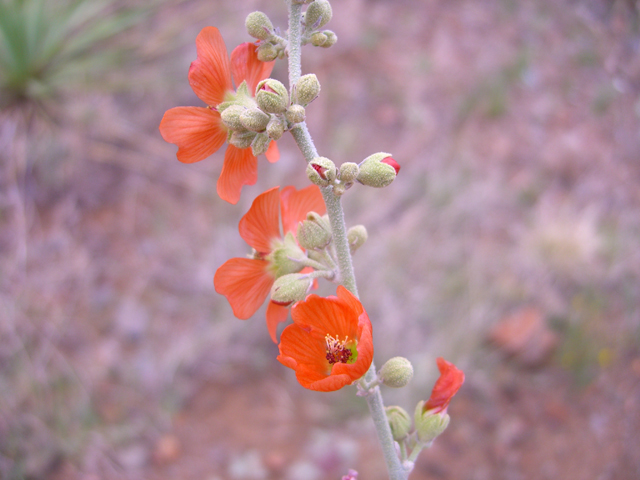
(295,113)
(356,236)
(318,14)
(429,425)
(290,288)
(275,128)
(378,170)
(242,139)
(321,171)
(259,26)
(272,96)
(260,144)
(331,40)
(314,232)
(254,119)
(231,117)
(396,372)
(286,257)
(348,172)
(318,39)
(267,52)
(399,421)
(307,89)
(339,189)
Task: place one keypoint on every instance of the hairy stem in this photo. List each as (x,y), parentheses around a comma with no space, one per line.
(303,139)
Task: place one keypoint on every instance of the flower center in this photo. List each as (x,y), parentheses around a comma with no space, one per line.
(338,351)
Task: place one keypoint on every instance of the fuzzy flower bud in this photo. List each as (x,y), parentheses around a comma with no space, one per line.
(396,372)
(378,170)
(272,96)
(295,113)
(428,424)
(254,119)
(314,232)
(260,144)
(267,52)
(321,171)
(290,288)
(231,117)
(331,40)
(307,89)
(356,236)
(242,139)
(399,421)
(348,172)
(259,26)
(275,128)
(318,14)
(318,39)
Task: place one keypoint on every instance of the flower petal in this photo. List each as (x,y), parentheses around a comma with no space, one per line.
(276,314)
(240,168)
(272,153)
(297,203)
(450,381)
(210,73)
(245,282)
(260,225)
(246,67)
(197,131)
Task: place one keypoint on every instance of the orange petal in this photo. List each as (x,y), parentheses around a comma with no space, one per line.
(210,73)
(272,153)
(297,203)
(245,282)
(240,168)
(450,381)
(260,225)
(246,67)
(276,314)
(197,131)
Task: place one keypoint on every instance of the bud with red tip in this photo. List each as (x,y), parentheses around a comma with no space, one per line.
(378,170)
(322,171)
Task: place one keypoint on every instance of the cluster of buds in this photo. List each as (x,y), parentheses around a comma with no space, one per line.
(270,44)
(377,170)
(317,16)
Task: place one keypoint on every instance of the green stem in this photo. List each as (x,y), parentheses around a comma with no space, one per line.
(303,139)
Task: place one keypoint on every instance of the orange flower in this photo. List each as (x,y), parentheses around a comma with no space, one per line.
(329,344)
(198,131)
(450,381)
(246,281)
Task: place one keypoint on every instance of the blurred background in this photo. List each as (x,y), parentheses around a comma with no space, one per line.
(508,244)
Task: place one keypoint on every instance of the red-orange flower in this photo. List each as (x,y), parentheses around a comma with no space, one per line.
(198,131)
(246,281)
(329,344)
(450,381)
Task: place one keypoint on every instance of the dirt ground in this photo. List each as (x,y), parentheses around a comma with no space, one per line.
(507,244)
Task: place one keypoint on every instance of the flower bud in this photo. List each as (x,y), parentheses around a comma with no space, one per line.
(290,288)
(260,144)
(242,139)
(378,170)
(399,421)
(318,14)
(428,424)
(259,26)
(231,117)
(331,40)
(318,39)
(272,96)
(307,89)
(356,236)
(295,113)
(267,52)
(321,171)
(254,119)
(314,232)
(275,128)
(339,189)
(348,172)
(286,257)
(396,372)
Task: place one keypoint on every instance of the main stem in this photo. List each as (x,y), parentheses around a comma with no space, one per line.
(345,266)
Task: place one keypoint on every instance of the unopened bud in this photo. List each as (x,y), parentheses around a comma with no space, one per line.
(318,14)
(254,119)
(259,26)
(331,40)
(272,96)
(356,236)
(339,189)
(429,425)
(399,421)
(321,171)
(378,170)
(231,117)
(314,232)
(267,52)
(242,139)
(260,144)
(318,39)
(348,172)
(396,372)
(295,113)
(307,89)
(275,128)
(290,288)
